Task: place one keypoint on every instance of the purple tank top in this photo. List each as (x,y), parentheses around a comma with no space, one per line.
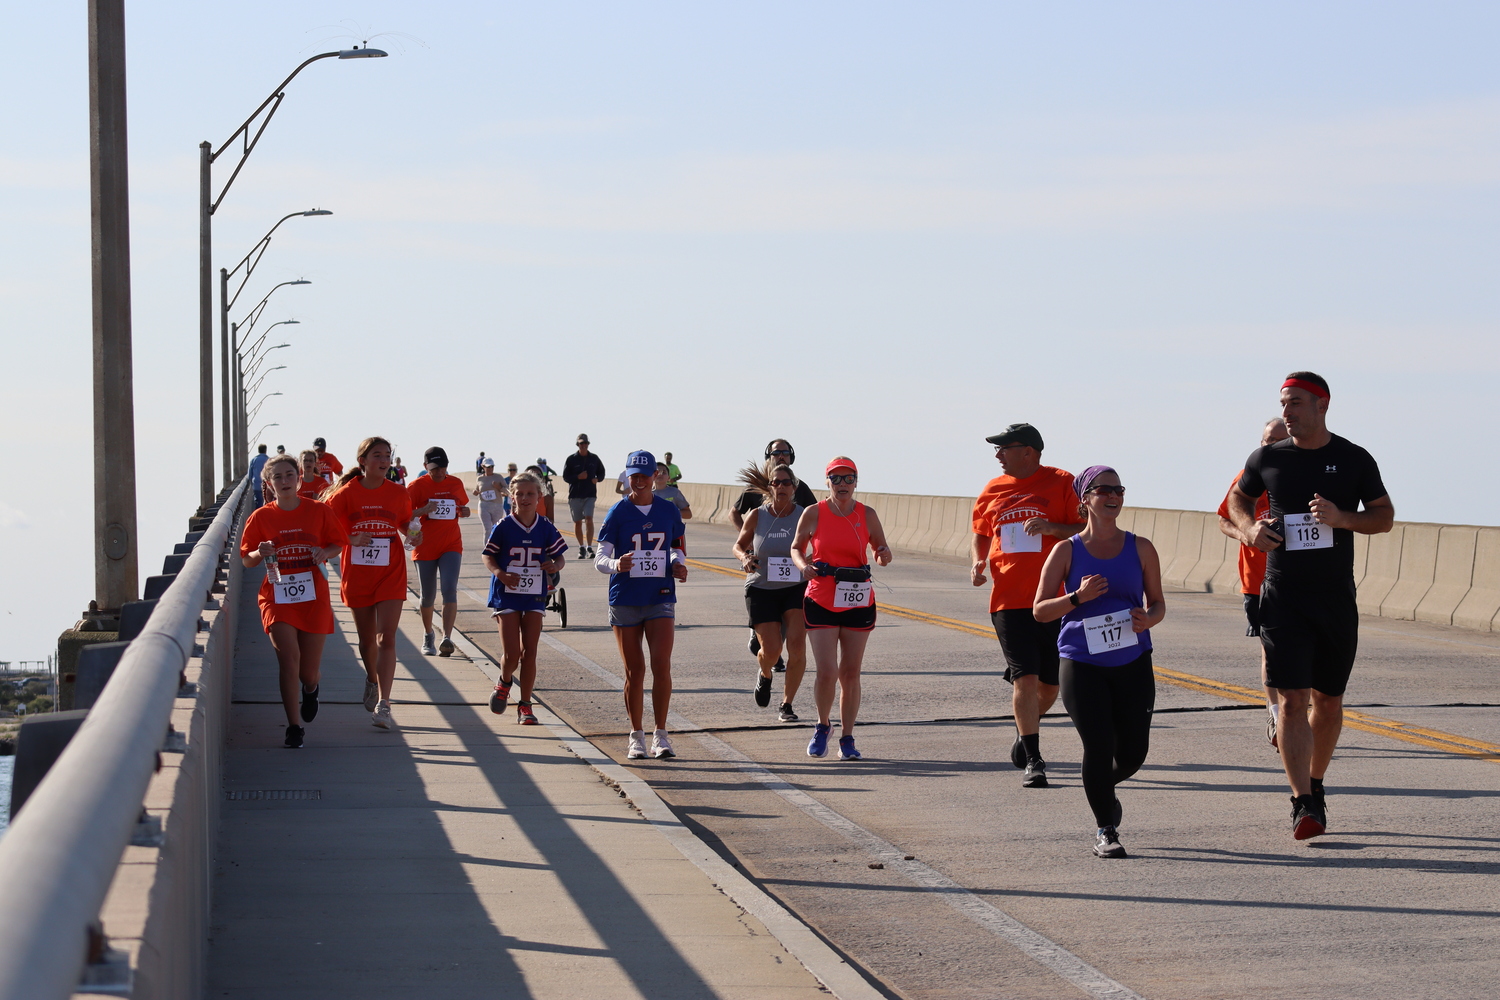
(1099,631)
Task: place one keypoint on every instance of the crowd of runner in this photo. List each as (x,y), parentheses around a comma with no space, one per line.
(1073,597)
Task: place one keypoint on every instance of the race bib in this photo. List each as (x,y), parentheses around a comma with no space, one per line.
(1013,538)
(295,588)
(1111,631)
(530,582)
(1303,532)
(649,563)
(377,553)
(779,569)
(853,594)
(443,509)
(489,495)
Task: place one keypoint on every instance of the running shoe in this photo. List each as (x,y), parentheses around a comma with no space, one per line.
(1307,820)
(428,646)
(754,643)
(593,552)
(1271,731)
(818,745)
(780,666)
(381,717)
(785,713)
(1107,843)
(524,714)
(583,552)
(762,690)
(294,736)
(635,749)
(500,697)
(309,709)
(1036,774)
(1018,753)
(847,750)
(661,747)
(446,647)
(372,695)
(1320,796)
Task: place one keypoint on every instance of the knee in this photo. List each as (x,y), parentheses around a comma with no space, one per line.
(1293,699)
(1327,703)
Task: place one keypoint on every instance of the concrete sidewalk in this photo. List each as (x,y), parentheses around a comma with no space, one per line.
(460,856)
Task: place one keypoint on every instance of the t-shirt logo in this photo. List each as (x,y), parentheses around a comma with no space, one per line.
(646,525)
(1330,468)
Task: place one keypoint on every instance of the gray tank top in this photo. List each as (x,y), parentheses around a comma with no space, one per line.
(773,540)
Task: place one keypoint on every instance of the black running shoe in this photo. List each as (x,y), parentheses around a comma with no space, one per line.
(1320,796)
(780,667)
(1036,774)
(762,690)
(1107,843)
(754,643)
(1018,754)
(309,709)
(785,713)
(1307,819)
(294,736)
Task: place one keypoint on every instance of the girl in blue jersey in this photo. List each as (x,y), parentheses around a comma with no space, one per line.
(647,532)
(523,549)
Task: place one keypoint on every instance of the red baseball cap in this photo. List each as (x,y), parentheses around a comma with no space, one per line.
(841,462)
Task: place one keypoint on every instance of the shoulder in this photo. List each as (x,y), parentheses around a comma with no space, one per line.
(1143,547)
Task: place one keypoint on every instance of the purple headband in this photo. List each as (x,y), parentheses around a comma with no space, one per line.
(1085,479)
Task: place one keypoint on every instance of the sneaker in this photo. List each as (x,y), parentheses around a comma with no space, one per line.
(1107,843)
(593,552)
(635,749)
(583,551)
(309,710)
(1307,821)
(780,666)
(372,695)
(754,643)
(661,747)
(1320,796)
(1036,774)
(446,648)
(381,717)
(762,690)
(428,647)
(500,697)
(294,736)
(847,749)
(524,714)
(785,713)
(1271,730)
(1018,754)
(818,745)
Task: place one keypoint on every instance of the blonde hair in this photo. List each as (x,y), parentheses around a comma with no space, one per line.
(358,470)
(757,478)
(528,477)
(275,460)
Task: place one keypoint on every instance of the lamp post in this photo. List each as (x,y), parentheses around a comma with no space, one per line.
(256,385)
(260,403)
(264,428)
(255,361)
(237,381)
(226,302)
(207,206)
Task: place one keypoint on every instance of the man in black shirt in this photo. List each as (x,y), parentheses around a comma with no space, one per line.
(784,454)
(582,471)
(1309,625)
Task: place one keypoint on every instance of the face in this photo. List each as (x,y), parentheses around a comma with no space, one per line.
(1017,460)
(284,478)
(377,461)
(669,456)
(1301,411)
(309,468)
(1275,431)
(661,478)
(841,482)
(640,482)
(510,470)
(1105,496)
(583,446)
(525,496)
(782,488)
(781,452)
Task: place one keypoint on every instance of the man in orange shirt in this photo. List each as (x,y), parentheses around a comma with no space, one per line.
(329,467)
(439,500)
(1017,519)
(1253,565)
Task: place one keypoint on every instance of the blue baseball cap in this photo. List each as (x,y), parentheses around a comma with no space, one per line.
(641,463)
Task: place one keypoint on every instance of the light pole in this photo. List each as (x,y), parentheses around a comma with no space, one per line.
(256,385)
(260,403)
(255,361)
(265,428)
(226,302)
(236,359)
(207,206)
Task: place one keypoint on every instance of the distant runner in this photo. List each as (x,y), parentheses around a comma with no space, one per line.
(663,488)
(439,499)
(329,467)
(582,472)
(256,465)
(774,587)
(490,489)
(674,474)
(779,451)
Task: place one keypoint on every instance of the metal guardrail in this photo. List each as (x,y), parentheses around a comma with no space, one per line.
(61,851)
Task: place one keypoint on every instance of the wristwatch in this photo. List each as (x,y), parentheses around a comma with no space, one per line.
(1073,598)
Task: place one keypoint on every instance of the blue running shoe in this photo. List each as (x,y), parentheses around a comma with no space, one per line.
(847,750)
(818,745)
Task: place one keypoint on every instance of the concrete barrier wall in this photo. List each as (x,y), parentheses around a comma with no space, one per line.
(1448,574)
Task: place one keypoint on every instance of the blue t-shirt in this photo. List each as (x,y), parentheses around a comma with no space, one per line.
(515,547)
(256,465)
(629,530)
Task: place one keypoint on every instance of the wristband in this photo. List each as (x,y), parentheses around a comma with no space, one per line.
(1073,598)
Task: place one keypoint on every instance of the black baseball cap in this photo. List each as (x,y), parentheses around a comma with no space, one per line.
(1017,434)
(435,456)
(319,443)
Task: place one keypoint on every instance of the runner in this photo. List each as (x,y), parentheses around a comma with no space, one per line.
(1309,621)
(674,474)
(439,500)
(257,464)
(647,531)
(582,472)
(1017,520)
(310,485)
(479,468)
(397,473)
(1113,598)
(779,451)
(774,588)
(375,513)
(662,487)
(520,552)
(839,607)
(490,489)
(292,536)
(329,467)
(510,476)
(1252,567)
(548,504)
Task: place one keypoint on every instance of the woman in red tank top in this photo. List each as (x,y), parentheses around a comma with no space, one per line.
(840,605)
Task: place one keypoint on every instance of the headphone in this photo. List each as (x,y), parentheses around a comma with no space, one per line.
(791,459)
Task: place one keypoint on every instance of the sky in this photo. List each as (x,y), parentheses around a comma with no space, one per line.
(879,229)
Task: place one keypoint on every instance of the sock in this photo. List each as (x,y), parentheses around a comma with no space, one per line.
(1030,743)
(1275,711)
(1317,786)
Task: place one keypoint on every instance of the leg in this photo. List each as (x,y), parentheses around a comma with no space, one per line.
(388,615)
(769,634)
(449,565)
(578,532)
(796,652)
(659,635)
(1024,703)
(1046,697)
(511,645)
(367,625)
(588,526)
(1295,735)
(1133,690)
(825,650)
(311,670)
(851,659)
(530,628)
(289,659)
(1086,696)
(1326,722)
(633,656)
(427,586)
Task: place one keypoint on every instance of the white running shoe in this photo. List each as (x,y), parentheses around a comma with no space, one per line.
(636,748)
(661,747)
(372,695)
(381,717)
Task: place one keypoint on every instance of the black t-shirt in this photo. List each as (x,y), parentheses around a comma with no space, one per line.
(577,463)
(802,496)
(1341,472)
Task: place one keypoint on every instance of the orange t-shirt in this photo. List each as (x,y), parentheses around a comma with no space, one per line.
(329,466)
(439,534)
(297,534)
(381,512)
(1047,493)
(1252,560)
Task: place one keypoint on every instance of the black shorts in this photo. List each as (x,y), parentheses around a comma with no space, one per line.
(817,616)
(1310,636)
(1029,646)
(1252,614)
(769,604)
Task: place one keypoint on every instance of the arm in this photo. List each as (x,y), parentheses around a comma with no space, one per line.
(1227,527)
(806,525)
(678,559)
(1049,608)
(981,554)
(877,538)
(1251,531)
(1057,529)
(1156,605)
(606,562)
(735,518)
(1376,519)
(687,513)
(257,555)
(744,544)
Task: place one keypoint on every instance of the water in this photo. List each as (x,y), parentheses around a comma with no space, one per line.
(7,768)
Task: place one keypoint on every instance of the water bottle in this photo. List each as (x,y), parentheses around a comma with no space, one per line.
(414,528)
(273,571)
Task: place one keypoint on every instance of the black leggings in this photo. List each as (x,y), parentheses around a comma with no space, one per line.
(1111,708)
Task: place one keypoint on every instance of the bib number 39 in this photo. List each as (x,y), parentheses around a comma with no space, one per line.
(295,588)
(530,582)
(1303,532)
(1111,631)
(853,594)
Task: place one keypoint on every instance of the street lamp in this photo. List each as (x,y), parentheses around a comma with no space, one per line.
(226,302)
(255,361)
(248,354)
(207,206)
(239,333)
(261,403)
(251,391)
(265,428)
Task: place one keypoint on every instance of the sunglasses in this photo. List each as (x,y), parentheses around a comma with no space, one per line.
(781,482)
(840,480)
(780,451)
(1118,491)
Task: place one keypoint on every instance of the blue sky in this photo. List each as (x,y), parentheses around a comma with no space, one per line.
(879,229)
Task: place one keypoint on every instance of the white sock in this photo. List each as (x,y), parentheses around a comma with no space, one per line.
(1275,711)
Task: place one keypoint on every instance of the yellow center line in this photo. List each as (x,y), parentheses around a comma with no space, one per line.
(1419,735)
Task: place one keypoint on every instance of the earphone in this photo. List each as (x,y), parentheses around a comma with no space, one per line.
(791,459)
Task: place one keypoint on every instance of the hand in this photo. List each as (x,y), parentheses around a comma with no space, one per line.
(748,562)
(1036,525)
(1263,538)
(266,550)
(551,566)
(679,571)
(976,573)
(359,538)
(583,476)
(1092,586)
(463,512)
(425,509)
(1139,620)
(1326,512)
(511,580)
(626,561)
(883,555)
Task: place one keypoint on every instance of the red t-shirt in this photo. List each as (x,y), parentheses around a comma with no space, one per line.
(439,534)
(329,466)
(1252,560)
(377,572)
(297,534)
(1008,501)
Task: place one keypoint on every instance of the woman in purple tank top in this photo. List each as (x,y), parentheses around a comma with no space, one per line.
(1111,600)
